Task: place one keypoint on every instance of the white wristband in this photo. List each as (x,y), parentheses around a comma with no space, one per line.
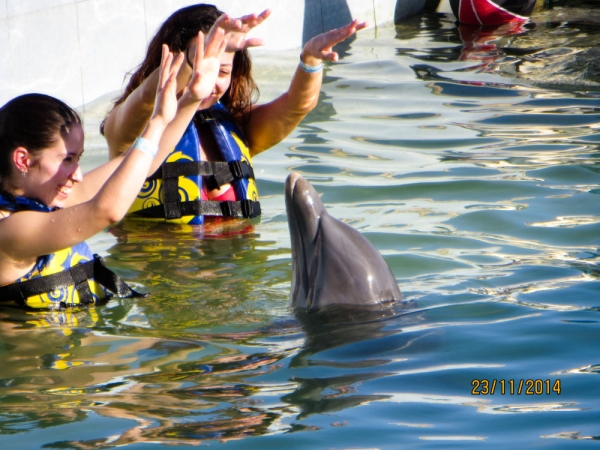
(309,69)
(147,146)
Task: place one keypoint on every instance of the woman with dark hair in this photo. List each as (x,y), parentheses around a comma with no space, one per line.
(229,129)
(48,208)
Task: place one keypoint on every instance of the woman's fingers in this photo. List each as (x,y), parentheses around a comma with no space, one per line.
(236,29)
(207,63)
(175,64)
(253,20)
(213,45)
(226,23)
(320,46)
(164,66)
(253,42)
(338,35)
(264,15)
(165,105)
(169,65)
(199,55)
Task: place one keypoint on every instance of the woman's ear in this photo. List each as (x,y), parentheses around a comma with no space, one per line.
(22,159)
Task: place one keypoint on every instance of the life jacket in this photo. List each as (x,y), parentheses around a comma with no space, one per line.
(68,277)
(174,192)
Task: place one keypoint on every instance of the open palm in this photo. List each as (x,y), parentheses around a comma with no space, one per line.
(207,63)
(237,29)
(165,105)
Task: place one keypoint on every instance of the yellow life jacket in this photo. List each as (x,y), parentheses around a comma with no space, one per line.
(69,277)
(174,192)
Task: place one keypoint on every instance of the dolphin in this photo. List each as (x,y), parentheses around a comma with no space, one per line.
(332,263)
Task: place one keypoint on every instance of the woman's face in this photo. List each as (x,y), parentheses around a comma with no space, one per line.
(223,81)
(52,175)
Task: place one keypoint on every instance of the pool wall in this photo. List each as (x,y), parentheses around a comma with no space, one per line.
(81,50)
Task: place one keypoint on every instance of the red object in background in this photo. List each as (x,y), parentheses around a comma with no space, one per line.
(490,12)
(479,43)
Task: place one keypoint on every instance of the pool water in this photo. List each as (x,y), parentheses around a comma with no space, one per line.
(470,160)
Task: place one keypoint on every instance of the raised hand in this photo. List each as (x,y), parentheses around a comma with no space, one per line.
(207,63)
(165,104)
(319,48)
(237,29)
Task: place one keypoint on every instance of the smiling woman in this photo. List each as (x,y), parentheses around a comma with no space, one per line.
(47,156)
(48,209)
(210,170)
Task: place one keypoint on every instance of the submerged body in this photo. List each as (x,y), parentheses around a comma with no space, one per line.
(332,263)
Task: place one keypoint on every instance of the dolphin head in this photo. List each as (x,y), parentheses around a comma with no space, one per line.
(332,263)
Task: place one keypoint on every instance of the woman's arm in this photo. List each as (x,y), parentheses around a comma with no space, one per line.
(205,71)
(126,120)
(270,123)
(25,235)
(204,74)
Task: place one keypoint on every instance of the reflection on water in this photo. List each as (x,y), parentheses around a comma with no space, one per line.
(469,158)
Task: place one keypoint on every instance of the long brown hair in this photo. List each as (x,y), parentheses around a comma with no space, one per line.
(177,31)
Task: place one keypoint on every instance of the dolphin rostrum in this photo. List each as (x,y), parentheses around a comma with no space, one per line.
(332,263)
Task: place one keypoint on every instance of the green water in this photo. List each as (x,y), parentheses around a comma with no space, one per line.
(476,176)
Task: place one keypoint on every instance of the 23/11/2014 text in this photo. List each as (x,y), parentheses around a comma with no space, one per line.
(515,387)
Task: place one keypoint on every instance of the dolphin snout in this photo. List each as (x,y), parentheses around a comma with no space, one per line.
(304,206)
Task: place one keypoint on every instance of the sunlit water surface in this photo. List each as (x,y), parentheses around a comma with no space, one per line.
(471,164)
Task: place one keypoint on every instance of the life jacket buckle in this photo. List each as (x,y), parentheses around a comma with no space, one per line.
(227,209)
(236,169)
(204,116)
(247,209)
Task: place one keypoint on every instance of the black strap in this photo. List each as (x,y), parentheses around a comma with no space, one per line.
(246,209)
(208,115)
(216,173)
(77,276)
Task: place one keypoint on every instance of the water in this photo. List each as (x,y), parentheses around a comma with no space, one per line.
(475,173)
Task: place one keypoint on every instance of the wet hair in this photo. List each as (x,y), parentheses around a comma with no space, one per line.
(32,121)
(177,31)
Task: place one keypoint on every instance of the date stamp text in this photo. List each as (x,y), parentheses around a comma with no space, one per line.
(515,387)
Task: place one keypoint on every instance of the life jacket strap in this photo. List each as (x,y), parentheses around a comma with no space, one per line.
(217,173)
(208,115)
(246,209)
(77,276)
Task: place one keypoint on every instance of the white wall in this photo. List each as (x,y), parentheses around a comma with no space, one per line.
(80,50)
